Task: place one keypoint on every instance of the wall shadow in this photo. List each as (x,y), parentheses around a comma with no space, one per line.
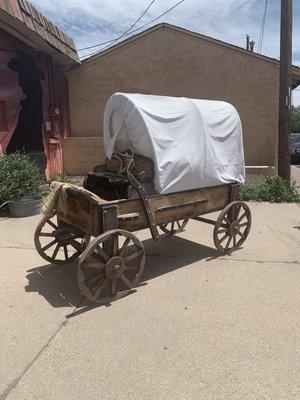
(58,284)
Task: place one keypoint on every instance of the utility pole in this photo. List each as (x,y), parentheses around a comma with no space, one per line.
(247,42)
(284,169)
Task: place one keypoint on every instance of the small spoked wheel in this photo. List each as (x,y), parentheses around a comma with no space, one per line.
(232,227)
(57,243)
(110,266)
(171,228)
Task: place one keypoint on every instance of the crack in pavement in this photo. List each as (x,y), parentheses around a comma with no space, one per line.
(16,381)
(260,261)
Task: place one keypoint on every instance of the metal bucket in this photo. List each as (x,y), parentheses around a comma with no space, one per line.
(25,207)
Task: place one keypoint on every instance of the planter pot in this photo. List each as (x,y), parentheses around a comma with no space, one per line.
(25,206)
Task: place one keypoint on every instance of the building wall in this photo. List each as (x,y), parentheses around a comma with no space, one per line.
(55,107)
(82,154)
(169,62)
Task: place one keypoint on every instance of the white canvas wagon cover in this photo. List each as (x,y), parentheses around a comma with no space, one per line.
(193,143)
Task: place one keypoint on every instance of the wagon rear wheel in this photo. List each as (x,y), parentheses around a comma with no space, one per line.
(104,277)
(58,244)
(171,228)
(232,226)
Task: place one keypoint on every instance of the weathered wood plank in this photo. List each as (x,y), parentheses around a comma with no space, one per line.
(167,208)
(207,200)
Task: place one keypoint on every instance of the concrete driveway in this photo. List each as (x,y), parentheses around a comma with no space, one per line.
(200,326)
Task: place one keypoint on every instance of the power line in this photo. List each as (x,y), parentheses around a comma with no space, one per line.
(262,28)
(123,34)
(112,40)
(138,29)
(133,25)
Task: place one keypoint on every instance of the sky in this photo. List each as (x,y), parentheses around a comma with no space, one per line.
(90,22)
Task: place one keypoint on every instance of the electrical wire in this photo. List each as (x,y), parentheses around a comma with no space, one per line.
(262,28)
(136,30)
(123,34)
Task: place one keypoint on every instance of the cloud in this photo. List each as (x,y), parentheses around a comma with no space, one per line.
(94,21)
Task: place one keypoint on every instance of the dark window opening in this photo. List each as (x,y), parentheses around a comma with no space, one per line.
(28,132)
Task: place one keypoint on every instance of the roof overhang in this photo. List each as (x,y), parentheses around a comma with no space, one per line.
(11,23)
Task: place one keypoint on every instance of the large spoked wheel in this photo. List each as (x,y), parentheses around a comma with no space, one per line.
(110,266)
(232,227)
(58,244)
(171,228)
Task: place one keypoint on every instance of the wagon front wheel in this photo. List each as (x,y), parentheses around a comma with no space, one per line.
(110,266)
(56,243)
(232,227)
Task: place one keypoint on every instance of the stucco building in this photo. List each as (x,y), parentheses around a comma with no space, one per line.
(167,60)
(34,109)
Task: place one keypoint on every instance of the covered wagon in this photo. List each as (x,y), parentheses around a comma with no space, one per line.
(168,160)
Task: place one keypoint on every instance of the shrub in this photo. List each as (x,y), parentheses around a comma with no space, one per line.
(19,177)
(271,189)
(62,178)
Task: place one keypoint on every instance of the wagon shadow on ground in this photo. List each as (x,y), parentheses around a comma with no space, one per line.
(58,284)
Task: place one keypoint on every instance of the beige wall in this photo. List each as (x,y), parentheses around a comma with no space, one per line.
(169,62)
(82,154)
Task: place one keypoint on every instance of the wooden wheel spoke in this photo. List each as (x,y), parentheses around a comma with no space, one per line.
(94,265)
(125,244)
(102,253)
(55,251)
(237,211)
(224,225)
(223,230)
(228,243)
(100,289)
(223,238)
(226,220)
(46,234)
(240,234)
(52,224)
(126,281)
(134,255)
(130,267)
(115,245)
(113,287)
(243,216)
(66,252)
(244,224)
(234,240)
(75,244)
(49,245)
(94,278)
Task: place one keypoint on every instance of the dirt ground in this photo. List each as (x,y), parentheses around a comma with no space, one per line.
(200,325)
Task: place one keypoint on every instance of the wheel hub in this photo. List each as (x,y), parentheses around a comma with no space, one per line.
(62,236)
(115,267)
(234,227)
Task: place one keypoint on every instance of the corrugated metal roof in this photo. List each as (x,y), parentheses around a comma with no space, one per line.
(35,21)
